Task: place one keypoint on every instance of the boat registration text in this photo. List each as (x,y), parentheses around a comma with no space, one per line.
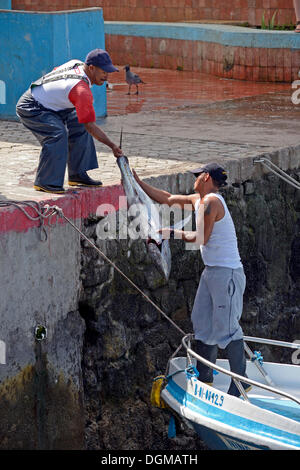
(208,395)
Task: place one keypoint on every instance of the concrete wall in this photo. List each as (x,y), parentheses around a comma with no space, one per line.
(173,10)
(41,403)
(41,387)
(33,43)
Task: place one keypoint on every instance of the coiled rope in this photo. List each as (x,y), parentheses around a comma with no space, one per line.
(41,213)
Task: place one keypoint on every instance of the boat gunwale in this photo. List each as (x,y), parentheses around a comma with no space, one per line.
(238,378)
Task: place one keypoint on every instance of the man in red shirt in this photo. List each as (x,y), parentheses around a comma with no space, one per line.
(58,109)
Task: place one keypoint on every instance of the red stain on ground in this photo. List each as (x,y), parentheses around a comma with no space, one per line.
(165,89)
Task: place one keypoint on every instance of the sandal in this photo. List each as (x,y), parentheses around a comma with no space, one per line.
(297,30)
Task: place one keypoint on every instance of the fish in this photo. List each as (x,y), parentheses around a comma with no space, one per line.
(150,217)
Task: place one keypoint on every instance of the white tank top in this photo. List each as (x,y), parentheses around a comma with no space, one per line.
(54,95)
(221,248)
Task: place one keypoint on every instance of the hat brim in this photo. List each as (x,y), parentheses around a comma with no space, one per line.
(197,171)
(109,68)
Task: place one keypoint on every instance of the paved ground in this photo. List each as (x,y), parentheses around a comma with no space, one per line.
(178,120)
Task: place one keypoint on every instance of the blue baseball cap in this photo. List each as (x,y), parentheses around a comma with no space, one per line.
(215,171)
(100,58)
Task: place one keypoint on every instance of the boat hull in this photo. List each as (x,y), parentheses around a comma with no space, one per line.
(226,422)
(219,441)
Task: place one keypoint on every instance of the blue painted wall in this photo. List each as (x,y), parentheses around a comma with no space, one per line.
(31,44)
(5,4)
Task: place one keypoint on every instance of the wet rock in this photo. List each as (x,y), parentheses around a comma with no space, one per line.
(154,279)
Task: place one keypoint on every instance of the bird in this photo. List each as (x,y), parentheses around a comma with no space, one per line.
(132,79)
(109,86)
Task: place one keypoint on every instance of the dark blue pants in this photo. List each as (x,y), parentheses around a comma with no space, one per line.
(237,360)
(63,139)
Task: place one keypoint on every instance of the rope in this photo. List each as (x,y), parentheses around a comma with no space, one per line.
(173,355)
(59,211)
(41,213)
(278,172)
(190,372)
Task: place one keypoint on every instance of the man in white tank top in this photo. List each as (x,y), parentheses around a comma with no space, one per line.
(58,110)
(218,303)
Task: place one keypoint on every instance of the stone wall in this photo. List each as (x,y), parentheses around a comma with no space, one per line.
(127,343)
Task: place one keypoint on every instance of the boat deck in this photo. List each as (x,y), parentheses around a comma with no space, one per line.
(287,382)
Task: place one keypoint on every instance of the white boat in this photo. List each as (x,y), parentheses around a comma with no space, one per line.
(267,417)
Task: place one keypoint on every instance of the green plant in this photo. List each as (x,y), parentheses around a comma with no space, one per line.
(271,22)
(285,27)
(263,22)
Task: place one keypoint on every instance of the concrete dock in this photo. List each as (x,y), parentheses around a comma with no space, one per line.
(178,120)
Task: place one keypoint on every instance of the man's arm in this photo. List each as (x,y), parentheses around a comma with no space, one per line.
(81,97)
(212,213)
(93,129)
(183,201)
(186,236)
(164,197)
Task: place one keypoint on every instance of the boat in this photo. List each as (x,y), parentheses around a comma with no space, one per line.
(266,418)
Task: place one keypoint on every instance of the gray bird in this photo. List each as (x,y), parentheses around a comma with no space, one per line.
(132,79)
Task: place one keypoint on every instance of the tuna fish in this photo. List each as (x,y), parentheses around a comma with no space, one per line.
(149,217)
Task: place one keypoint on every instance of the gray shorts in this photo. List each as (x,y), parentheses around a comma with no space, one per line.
(218,306)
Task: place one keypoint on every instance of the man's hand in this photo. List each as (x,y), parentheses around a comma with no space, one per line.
(117,151)
(98,134)
(166,232)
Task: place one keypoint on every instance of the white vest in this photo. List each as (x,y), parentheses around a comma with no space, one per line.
(54,95)
(221,248)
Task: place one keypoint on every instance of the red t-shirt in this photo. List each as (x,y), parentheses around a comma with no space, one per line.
(82,98)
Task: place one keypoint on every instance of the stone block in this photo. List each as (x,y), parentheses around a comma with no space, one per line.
(249,188)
